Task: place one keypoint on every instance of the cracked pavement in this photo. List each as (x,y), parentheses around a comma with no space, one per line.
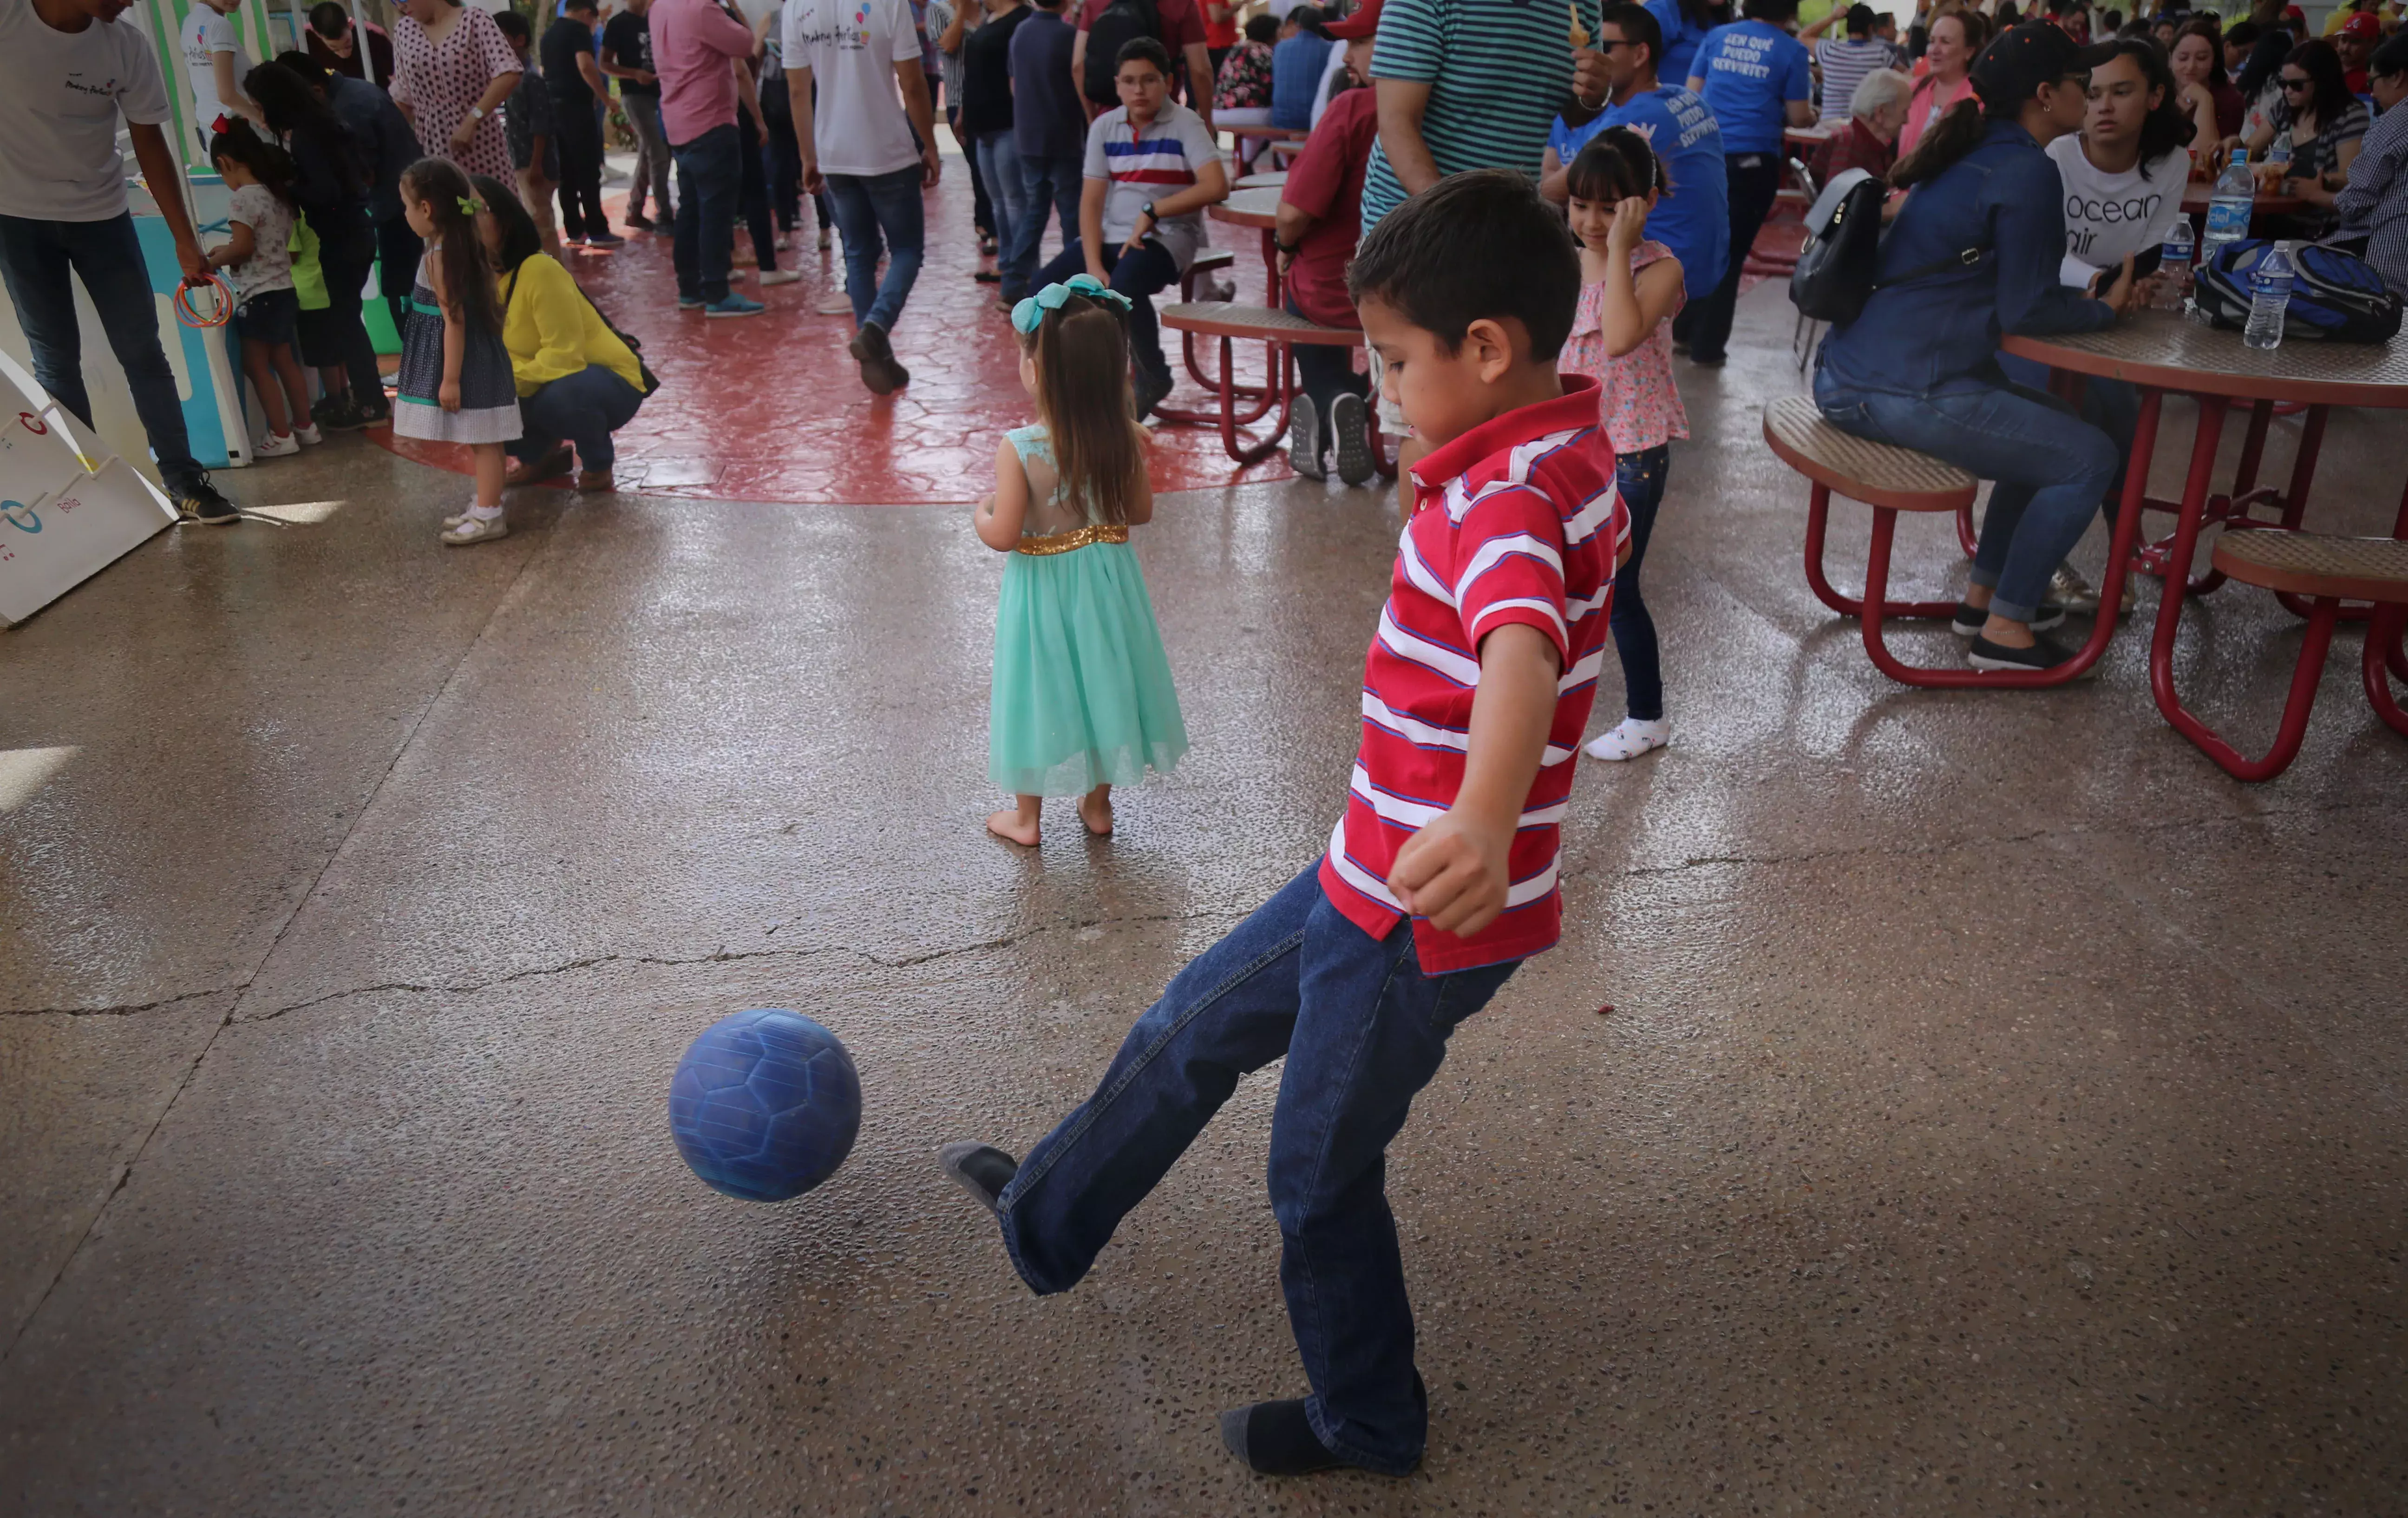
(1941,1102)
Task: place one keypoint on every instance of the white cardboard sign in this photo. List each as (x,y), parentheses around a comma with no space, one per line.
(69,506)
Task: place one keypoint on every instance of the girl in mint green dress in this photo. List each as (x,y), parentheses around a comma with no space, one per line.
(1081,700)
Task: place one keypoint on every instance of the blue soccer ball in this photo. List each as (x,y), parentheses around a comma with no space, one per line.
(764,1106)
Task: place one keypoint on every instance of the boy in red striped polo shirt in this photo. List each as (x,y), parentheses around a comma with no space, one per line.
(1440,876)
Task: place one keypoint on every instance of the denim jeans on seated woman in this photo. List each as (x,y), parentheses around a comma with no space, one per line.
(2050,467)
(583,408)
(2111,406)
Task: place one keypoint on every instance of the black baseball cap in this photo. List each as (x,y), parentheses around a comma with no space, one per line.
(2030,54)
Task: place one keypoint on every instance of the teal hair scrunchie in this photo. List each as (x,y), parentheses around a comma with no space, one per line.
(1031,310)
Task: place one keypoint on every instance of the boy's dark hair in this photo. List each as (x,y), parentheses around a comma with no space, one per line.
(521,241)
(1262,28)
(1142,47)
(513,26)
(328,18)
(1478,245)
(572,7)
(1771,13)
(1635,23)
(305,68)
(1617,164)
(1860,20)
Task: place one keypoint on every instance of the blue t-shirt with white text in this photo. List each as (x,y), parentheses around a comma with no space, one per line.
(1693,218)
(1751,69)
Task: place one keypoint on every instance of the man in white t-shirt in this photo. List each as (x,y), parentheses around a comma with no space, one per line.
(1151,168)
(214,59)
(870,141)
(67,70)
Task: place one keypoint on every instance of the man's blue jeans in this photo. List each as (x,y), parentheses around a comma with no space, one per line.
(1362,1029)
(35,259)
(2050,467)
(710,175)
(999,162)
(866,206)
(1135,275)
(583,408)
(1055,182)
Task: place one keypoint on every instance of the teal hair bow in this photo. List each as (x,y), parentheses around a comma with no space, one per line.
(1031,309)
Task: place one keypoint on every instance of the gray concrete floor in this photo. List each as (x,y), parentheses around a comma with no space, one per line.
(1999,1110)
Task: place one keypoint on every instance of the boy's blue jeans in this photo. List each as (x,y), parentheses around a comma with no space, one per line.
(1055,182)
(1363,1030)
(870,206)
(35,260)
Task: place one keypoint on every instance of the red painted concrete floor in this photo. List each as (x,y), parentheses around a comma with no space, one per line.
(772,409)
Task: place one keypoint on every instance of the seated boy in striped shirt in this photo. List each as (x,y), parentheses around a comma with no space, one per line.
(1441,876)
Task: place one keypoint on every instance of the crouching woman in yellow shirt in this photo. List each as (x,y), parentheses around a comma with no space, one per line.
(578,382)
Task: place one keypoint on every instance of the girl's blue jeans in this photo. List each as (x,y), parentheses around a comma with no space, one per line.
(1639,477)
(2050,466)
(1362,1029)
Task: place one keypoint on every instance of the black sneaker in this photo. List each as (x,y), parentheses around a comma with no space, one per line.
(343,418)
(327,407)
(1969,620)
(639,221)
(987,275)
(1349,427)
(605,240)
(2045,654)
(1151,391)
(199,501)
(980,1169)
(1304,439)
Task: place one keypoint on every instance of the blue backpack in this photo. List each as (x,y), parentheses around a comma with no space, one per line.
(2335,297)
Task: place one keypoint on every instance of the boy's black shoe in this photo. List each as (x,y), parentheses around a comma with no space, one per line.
(980,1169)
(327,405)
(199,501)
(639,222)
(1969,619)
(341,417)
(2045,654)
(1350,425)
(1276,1439)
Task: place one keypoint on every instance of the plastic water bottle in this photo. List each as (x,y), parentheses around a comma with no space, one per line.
(2270,297)
(2229,209)
(2281,151)
(2174,267)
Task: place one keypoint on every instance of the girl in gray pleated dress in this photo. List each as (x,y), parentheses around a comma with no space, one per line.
(455,384)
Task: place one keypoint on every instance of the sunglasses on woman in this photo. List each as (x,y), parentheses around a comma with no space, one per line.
(2292,86)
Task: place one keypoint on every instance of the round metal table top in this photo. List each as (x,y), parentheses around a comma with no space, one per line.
(1261,181)
(1247,208)
(2165,350)
(2197,193)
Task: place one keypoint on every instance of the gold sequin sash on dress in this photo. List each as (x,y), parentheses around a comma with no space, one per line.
(1106,532)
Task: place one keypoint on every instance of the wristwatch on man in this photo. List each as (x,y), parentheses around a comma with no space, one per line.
(476,113)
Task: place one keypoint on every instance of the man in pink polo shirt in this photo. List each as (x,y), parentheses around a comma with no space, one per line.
(697,46)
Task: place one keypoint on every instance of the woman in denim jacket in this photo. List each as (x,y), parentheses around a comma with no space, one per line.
(1920,367)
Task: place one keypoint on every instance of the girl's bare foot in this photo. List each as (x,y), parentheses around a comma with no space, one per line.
(1096,811)
(1018,824)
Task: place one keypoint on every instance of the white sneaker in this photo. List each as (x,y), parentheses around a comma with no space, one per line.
(778,277)
(476,529)
(1631,739)
(838,303)
(785,240)
(308,436)
(276,446)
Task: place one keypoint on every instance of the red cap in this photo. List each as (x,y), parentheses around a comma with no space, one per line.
(2361,24)
(1364,23)
(2294,14)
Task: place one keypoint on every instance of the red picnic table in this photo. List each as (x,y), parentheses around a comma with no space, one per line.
(2159,353)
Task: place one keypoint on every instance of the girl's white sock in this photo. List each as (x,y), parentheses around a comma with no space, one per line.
(1631,739)
(484,513)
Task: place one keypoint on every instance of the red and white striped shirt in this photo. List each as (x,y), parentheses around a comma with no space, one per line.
(1515,521)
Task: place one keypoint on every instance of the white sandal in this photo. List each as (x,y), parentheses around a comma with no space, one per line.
(477,530)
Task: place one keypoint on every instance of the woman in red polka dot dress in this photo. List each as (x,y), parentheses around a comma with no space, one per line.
(452,71)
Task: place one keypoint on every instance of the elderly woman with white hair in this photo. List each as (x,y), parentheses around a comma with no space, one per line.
(1876,112)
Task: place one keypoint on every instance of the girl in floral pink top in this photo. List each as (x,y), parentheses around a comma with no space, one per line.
(1622,334)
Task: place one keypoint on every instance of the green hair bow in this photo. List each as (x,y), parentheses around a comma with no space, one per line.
(1031,309)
